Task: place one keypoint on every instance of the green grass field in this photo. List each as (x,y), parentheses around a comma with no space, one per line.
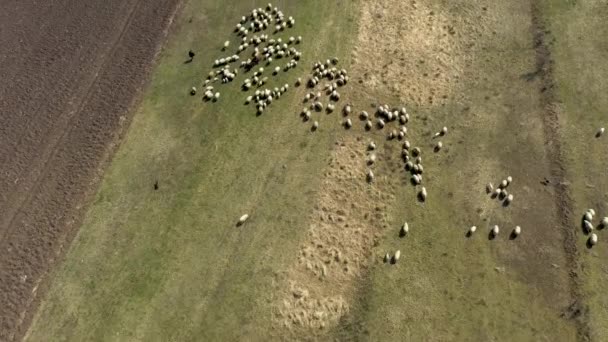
(171,264)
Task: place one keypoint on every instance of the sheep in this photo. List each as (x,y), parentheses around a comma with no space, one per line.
(380,123)
(370,176)
(400,135)
(406,145)
(516,232)
(509,180)
(318,106)
(588,216)
(416,151)
(504,184)
(423,194)
(588,226)
(242,219)
(248,100)
(387,257)
(347,110)
(330,107)
(226,44)
(497,192)
(438,146)
(277,70)
(348,123)
(420,168)
(404,230)
(364,115)
(471,230)
(503,194)
(592,239)
(591,211)
(371,159)
(368,125)
(315,125)
(371,146)
(409,165)
(489,188)
(509,199)
(298,82)
(216,96)
(495,231)
(396,256)
(600,132)
(193,91)
(604,222)
(307,115)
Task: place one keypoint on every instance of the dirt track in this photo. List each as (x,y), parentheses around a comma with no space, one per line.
(70,70)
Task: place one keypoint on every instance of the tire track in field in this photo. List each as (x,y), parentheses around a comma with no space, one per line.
(578,310)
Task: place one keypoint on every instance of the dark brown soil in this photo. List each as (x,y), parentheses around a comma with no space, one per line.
(70,71)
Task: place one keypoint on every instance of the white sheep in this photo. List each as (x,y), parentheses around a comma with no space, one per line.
(370,176)
(593,239)
(591,211)
(396,256)
(406,145)
(509,199)
(368,124)
(600,132)
(315,125)
(371,146)
(438,146)
(347,110)
(404,229)
(588,226)
(380,123)
(242,219)
(504,184)
(364,115)
(472,230)
(495,231)
(416,151)
(226,44)
(216,96)
(387,257)
(371,159)
(516,231)
(588,216)
(423,193)
(509,180)
(489,188)
(348,123)
(604,222)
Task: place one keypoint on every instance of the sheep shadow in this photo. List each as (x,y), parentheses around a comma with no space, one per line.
(468,234)
(188,61)
(493,195)
(583,227)
(436,149)
(313,129)
(512,236)
(393,260)
(505,203)
(491,236)
(421,198)
(598,134)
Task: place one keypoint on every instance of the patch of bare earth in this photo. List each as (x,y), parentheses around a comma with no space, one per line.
(411,51)
(346,222)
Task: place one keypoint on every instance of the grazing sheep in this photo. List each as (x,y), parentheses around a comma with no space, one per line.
(593,239)
(444,130)
(600,132)
(588,216)
(591,211)
(368,124)
(504,184)
(248,100)
(495,231)
(509,180)
(380,123)
(503,194)
(226,44)
(438,146)
(588,226)
(423,194)
(471,230)
(348,123)
(216,96)
(318,106)
(387,257)
(242,219)
(489,188)
(371,159)
(347,110)
(516,231)
(400,135)
(604,222)
(406,145)
(370,176)
(193,91)
(509,199)
(364,115)
(315,125)
(371,146)
(330,107)
(402,119)
(416,151)
(404,230)
(409,165)
(396,256)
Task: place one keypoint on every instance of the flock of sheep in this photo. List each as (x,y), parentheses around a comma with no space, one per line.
(267,50)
